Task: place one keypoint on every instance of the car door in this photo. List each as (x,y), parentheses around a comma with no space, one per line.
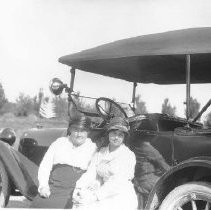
(191,143)
(148,130)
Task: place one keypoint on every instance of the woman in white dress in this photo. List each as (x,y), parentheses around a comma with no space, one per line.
(107,182)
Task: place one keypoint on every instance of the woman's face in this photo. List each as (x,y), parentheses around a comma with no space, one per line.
(78,136)
(116,138)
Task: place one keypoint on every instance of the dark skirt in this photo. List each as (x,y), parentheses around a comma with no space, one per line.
(62,183)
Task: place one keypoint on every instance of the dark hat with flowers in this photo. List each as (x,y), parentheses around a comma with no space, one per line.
(80,121)
(118,123)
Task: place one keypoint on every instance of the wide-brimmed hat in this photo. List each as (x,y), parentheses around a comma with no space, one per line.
(118,123)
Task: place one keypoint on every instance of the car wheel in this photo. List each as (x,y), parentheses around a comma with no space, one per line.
(190,196)
(4,186)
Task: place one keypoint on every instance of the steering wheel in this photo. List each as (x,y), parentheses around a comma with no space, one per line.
(108,109)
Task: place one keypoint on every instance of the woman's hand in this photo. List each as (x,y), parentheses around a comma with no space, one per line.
(95,185)
(44,191)
(76,195)
(104,169)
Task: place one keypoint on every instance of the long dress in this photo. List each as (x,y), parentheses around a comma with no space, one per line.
(60,168)
(111,174)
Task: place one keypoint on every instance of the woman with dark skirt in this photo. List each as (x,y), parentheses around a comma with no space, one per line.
(63,164)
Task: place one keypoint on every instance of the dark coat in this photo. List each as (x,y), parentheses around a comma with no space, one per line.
(150,165)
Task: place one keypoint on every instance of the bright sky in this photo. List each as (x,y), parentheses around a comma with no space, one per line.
(35,33)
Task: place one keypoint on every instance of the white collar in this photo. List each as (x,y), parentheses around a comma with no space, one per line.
(85,144)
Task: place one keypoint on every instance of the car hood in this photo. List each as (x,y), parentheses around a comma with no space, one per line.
(44,136)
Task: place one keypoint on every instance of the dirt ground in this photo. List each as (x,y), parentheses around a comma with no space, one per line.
(18,202)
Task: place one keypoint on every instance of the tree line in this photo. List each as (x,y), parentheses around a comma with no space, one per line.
(26,105)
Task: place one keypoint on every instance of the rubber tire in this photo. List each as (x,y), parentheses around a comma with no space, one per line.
(202,188)
(6,187)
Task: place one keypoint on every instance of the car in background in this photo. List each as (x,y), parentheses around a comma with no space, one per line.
(35,142)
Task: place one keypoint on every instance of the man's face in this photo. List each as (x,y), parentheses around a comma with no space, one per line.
(116,138)
(78,136)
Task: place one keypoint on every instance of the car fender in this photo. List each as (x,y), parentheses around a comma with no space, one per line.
(194,169)
(22,171)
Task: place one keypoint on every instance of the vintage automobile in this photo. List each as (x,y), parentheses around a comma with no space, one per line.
(164,58)
(175,57)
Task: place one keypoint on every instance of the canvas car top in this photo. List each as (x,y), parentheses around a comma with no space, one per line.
(156,58)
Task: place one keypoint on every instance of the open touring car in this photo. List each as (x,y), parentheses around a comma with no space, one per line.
(176,57)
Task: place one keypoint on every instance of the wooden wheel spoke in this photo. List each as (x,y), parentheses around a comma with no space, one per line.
(191,196)
(193,203)
(207,207)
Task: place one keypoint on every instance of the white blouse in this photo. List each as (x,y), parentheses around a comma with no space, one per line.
(62,151)
(112,170)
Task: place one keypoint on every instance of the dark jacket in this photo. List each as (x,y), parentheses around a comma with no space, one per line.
(149,160)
